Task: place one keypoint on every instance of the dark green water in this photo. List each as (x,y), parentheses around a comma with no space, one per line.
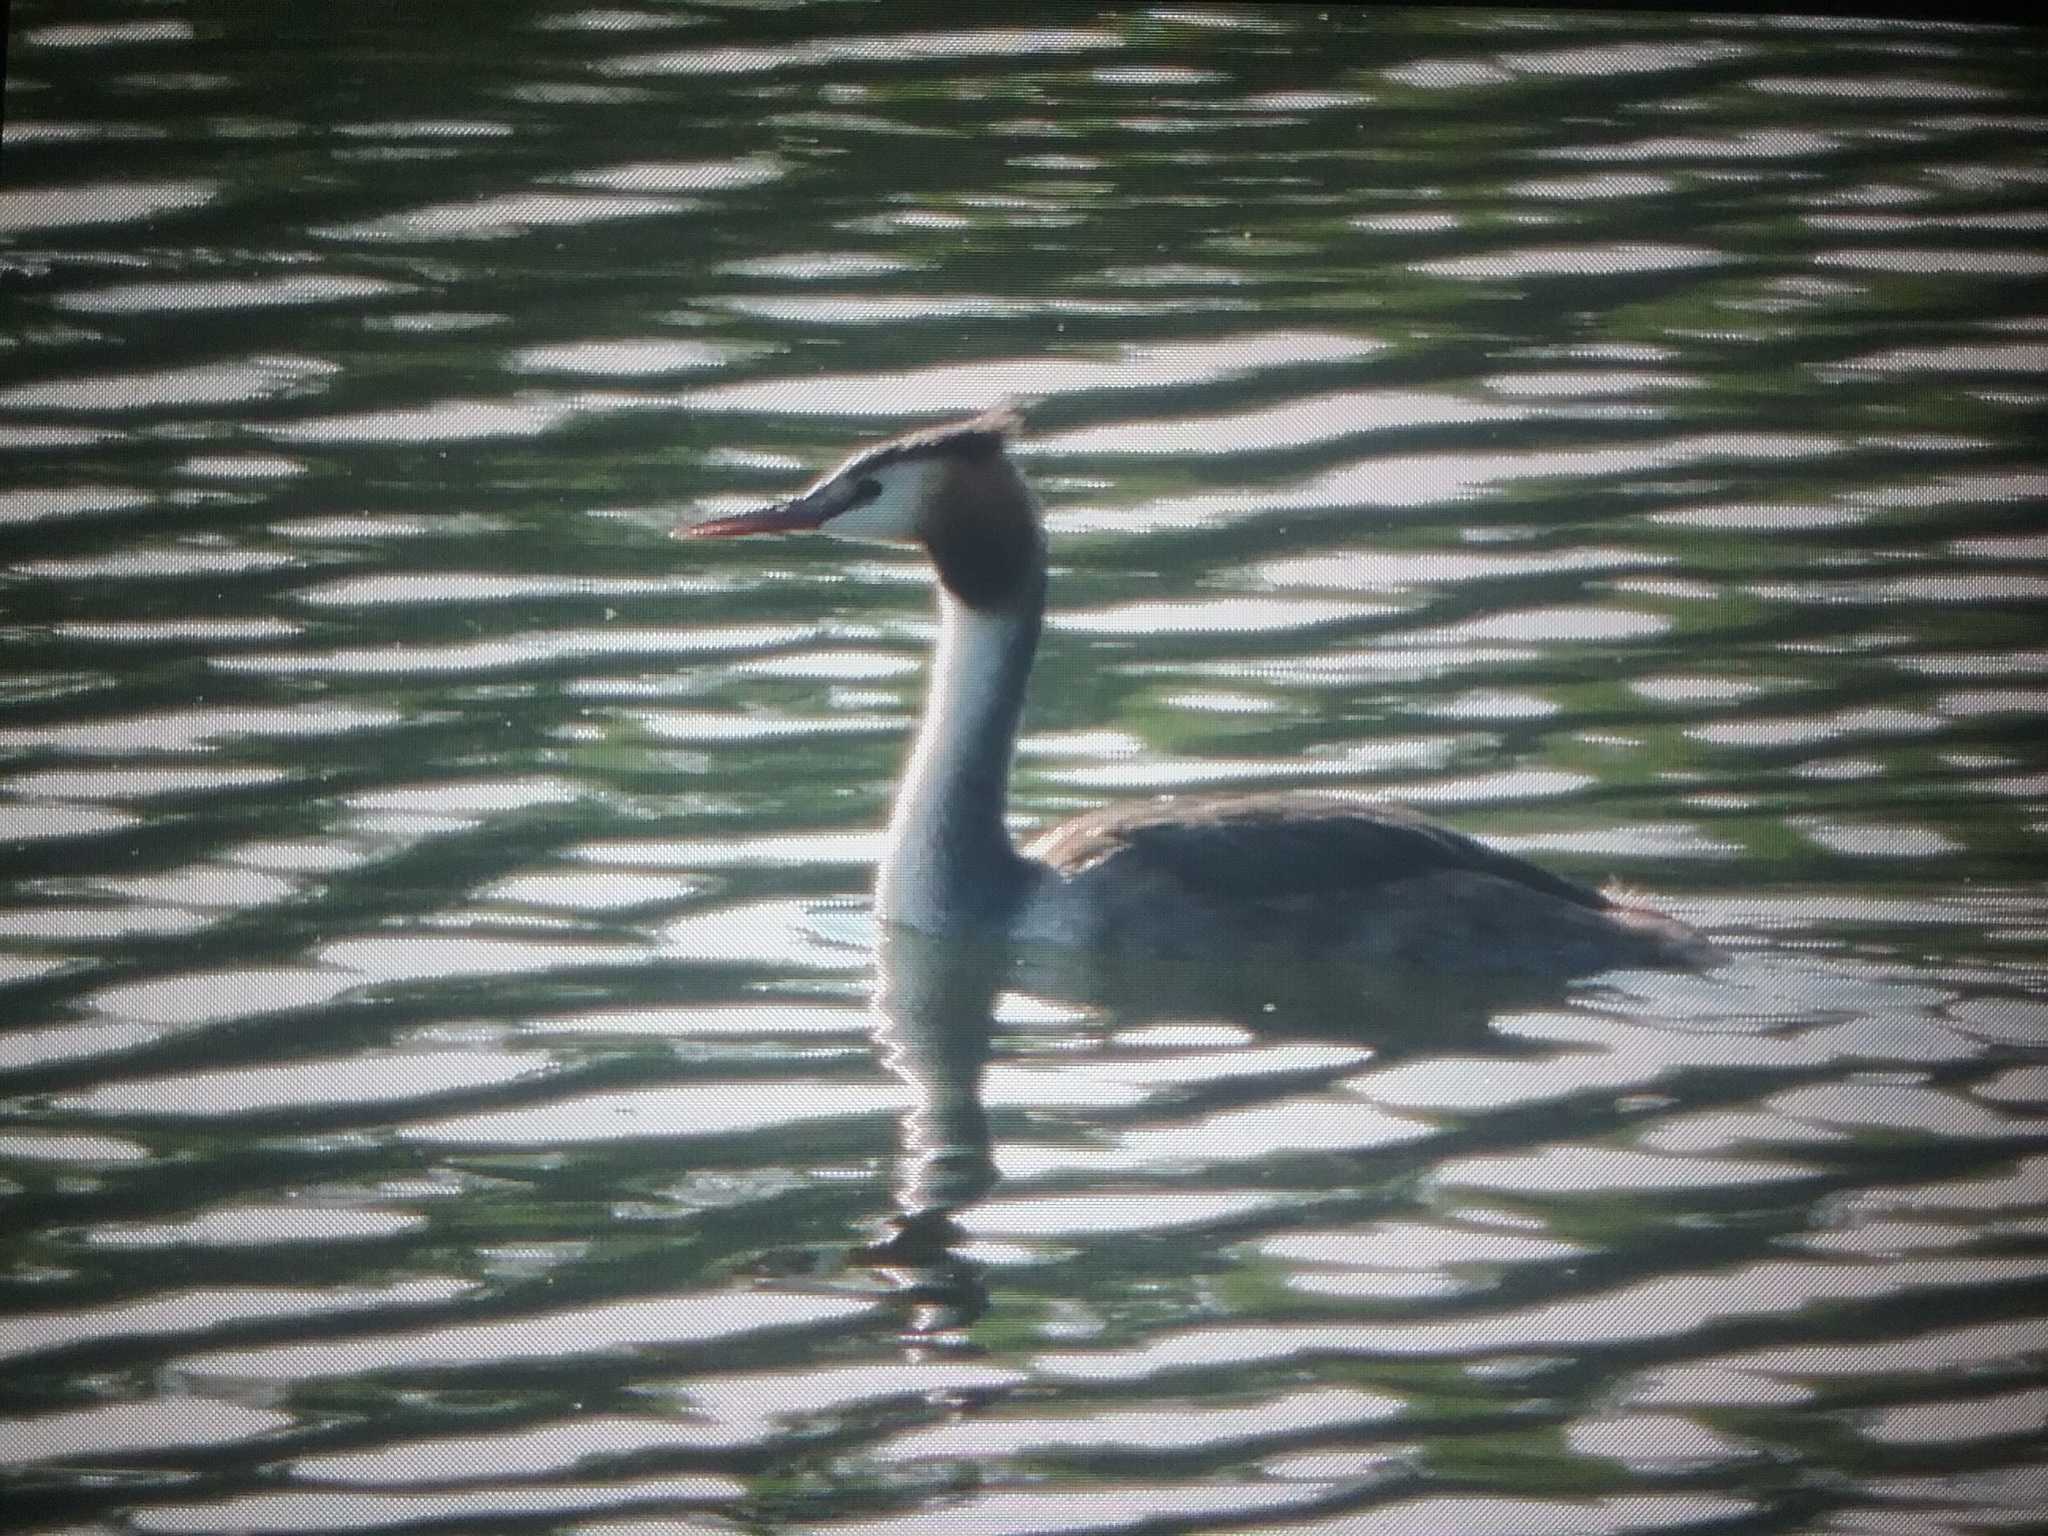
(446,1076)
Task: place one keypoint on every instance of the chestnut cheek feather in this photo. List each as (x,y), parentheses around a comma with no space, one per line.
(981,534)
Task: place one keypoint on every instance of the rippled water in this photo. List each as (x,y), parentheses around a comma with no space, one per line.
(447,1073)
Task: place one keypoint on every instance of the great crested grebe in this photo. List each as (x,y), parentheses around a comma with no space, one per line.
(1322,874)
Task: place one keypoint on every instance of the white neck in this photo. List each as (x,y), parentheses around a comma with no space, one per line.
(950,862)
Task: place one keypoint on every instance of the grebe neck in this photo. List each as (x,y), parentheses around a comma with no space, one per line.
(949,861)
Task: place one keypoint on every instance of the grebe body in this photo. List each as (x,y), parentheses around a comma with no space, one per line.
(1333,875)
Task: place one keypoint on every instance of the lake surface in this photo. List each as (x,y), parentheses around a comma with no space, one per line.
(449,1076)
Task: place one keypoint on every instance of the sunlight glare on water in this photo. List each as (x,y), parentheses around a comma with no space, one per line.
(452,1076)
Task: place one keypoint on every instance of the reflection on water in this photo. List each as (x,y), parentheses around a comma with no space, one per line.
(449,1076)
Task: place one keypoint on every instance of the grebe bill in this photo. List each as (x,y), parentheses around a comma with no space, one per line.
(1324,874)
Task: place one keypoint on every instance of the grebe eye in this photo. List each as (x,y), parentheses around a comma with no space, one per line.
(867,488)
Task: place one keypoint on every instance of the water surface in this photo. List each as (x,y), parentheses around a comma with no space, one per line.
(448,1075)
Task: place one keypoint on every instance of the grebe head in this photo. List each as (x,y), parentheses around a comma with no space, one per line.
(950,488)
(897,490)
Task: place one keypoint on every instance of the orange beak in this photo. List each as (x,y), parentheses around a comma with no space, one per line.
(797,516)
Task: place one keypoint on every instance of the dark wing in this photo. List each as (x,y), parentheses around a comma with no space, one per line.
(1282,847)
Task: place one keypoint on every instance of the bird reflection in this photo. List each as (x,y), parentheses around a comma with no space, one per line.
(933,1014)
(934,1011)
